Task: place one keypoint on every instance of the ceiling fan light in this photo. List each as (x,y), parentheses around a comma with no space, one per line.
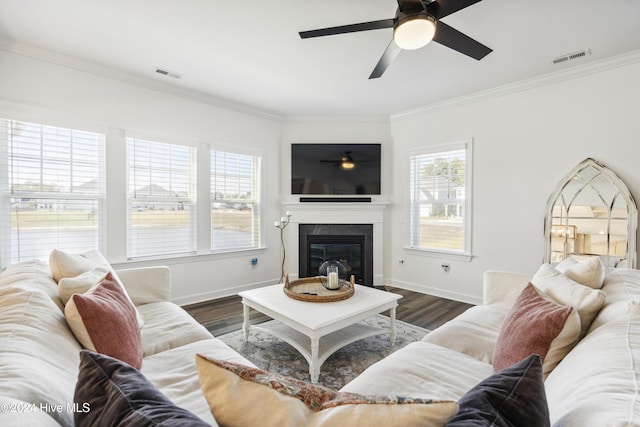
(414,31)
(347,162)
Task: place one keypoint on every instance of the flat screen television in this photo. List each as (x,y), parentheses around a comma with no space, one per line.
(335,169)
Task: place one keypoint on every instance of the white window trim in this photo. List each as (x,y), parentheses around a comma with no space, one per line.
(467,254)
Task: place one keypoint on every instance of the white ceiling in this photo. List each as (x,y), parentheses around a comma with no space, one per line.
(251,54)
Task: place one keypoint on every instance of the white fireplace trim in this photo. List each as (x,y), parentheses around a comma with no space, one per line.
(335,213)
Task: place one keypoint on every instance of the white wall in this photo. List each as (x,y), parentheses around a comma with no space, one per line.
(525,141)
(61,91)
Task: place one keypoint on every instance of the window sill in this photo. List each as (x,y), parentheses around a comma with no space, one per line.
(184,259)
(456,256)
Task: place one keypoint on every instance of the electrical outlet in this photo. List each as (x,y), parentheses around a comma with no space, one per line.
(445,267)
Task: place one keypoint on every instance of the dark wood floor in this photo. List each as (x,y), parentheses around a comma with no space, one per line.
(225,314)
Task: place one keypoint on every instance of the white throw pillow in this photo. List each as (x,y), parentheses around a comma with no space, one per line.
(565,291)
(589,272)
(66,265)
(67,286)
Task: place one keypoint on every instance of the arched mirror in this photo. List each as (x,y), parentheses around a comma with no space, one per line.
(591,213)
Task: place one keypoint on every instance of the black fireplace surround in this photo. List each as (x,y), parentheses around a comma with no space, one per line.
(351,244)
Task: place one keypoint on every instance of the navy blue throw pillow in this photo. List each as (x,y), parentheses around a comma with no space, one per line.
(514,396)
(110,392)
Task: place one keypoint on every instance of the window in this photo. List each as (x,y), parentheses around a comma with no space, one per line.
(235,197)
(161,217)
(53,190)
(440,199)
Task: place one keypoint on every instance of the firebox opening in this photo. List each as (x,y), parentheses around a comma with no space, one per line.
(348,250)
(351,244)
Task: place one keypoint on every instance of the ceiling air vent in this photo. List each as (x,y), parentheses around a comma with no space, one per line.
(570,56)
(168,73)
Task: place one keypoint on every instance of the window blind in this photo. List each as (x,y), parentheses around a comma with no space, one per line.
(438,200)
(235,196)
(53,190)
(161,199)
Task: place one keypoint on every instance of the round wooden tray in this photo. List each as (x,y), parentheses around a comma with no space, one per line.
(310,289)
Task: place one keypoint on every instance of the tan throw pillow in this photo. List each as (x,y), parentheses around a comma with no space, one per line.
(568,292)
(104,321)
(83,269)
(536,325)
(589,272)
(241,396)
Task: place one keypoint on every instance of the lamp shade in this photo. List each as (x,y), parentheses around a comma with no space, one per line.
(414,31)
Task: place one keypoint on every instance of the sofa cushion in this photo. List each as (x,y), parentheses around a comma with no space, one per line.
(16,412)
(104,320)
(589,272)
(536,325)
(598,383)
(167,326)
(111,392)
(565,291)
(174,372)
(514,396)
(68,265)
(423,370)
(622,286)
(38,351)
(473,332)
(232,390)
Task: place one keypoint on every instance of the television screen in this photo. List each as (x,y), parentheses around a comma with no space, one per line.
(335,169)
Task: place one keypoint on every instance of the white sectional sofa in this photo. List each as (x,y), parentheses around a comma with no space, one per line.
(40,356)
(595,384)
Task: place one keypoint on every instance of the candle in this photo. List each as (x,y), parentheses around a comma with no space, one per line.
(333,280)
(288,213)
(277,223)
(283,219)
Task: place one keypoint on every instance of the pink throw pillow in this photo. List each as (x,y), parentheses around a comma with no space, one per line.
(531,327)
(104,320)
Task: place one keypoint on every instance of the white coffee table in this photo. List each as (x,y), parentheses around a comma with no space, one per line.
(302,323)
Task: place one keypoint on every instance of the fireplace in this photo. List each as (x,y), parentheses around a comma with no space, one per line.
(350,244)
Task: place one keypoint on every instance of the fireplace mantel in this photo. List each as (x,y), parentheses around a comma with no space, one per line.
(335,213)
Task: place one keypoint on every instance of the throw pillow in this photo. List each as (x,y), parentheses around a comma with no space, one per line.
(589,272)
(65,265)
(67,286)
(232,391)
(104,320)
(536,325)
(110,392)
(565,291)
(514,396)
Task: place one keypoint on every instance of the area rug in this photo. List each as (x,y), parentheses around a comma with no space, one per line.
(271,354)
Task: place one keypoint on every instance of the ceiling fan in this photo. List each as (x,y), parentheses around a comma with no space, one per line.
(416,23)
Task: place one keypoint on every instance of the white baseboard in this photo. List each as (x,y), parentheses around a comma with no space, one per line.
(220,293)
(456,296)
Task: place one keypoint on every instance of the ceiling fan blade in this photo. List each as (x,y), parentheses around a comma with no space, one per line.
(387,58)
(441,8)
(454,39)
(351,28)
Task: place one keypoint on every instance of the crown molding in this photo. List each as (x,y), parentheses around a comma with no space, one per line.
(105,71)
(523,85)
